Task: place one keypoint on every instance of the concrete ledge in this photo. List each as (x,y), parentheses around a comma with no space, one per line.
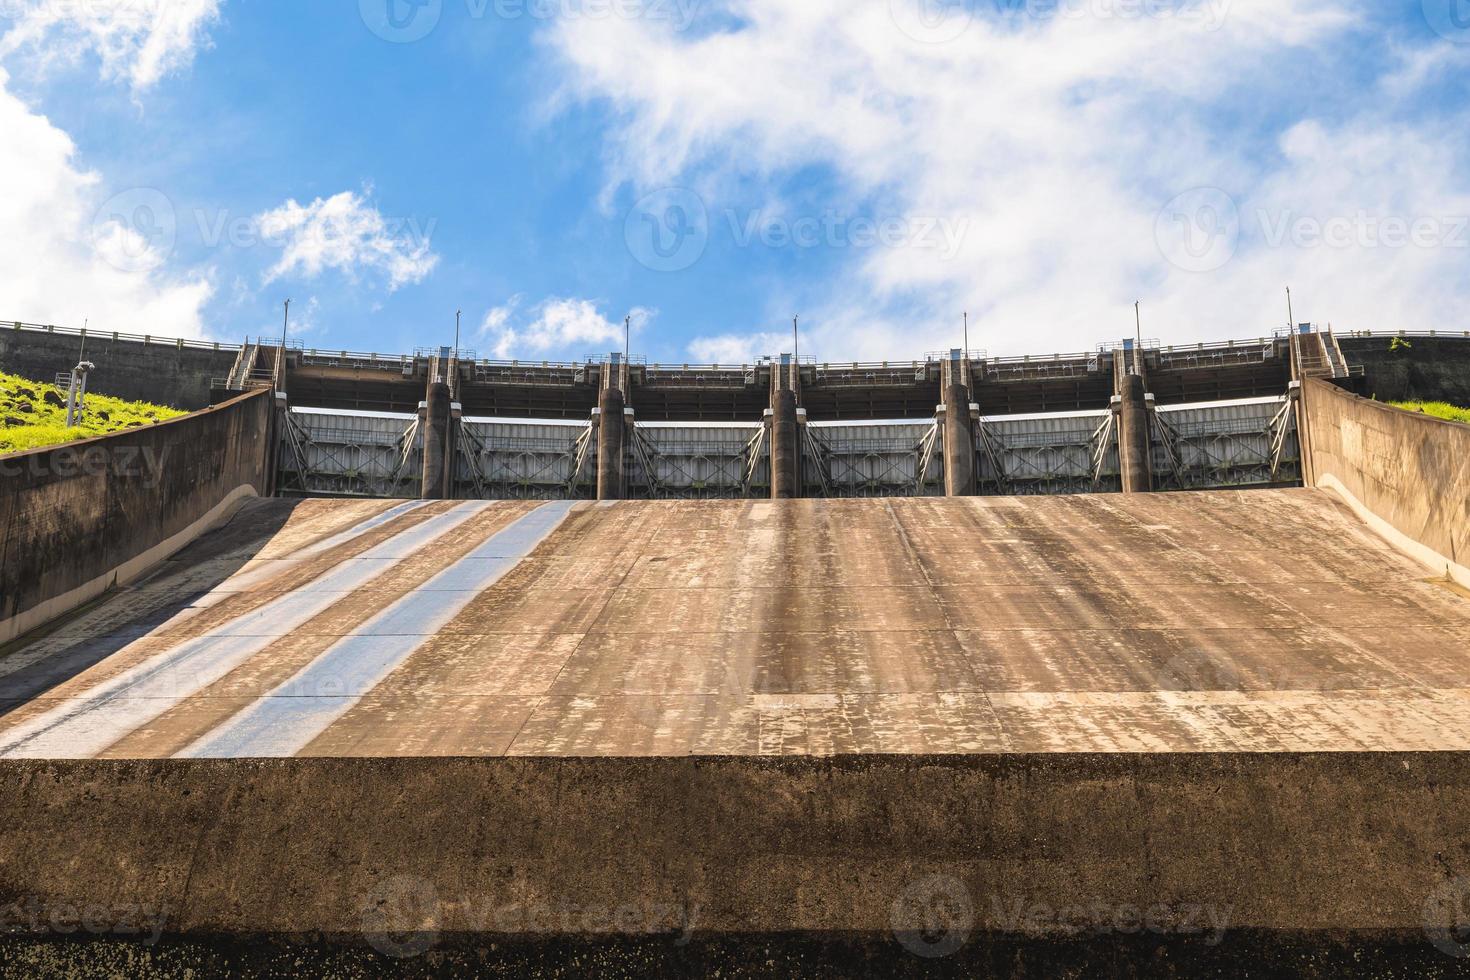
(1331,844)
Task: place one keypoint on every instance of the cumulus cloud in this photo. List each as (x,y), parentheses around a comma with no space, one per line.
(346,233)
(568,328)
(139,41)
(1056,141)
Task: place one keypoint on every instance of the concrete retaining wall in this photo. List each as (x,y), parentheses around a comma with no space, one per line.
(1329,844)
(162,371)
(1405,474)
(75,520)
(1419,369)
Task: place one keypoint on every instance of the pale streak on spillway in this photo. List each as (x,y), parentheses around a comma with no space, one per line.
(1262,621)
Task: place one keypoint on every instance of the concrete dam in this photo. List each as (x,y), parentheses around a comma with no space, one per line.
(1201,730)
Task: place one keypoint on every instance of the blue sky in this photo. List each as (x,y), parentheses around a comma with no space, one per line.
(878,167)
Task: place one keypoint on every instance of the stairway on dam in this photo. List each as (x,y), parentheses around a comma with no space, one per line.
(1268,621)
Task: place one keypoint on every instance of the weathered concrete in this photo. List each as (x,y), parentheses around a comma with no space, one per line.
(959,430)
(611,430)
(163,371)
(414,852)
(1413,369)
(436,463)
(1135,451)
(1405,473)
(77,519)
(785,446)
(1244,705)
(734,628)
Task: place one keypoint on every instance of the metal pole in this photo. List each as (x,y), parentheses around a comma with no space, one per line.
(627,338)
(967,335)
(1290,317)
(456,334)
(1138,323)
(796,342)
(281,361)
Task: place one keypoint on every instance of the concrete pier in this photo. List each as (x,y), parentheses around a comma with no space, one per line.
(612,430)
(1134,452)
(959,429)
(785,431)
(611,482)
(436,417)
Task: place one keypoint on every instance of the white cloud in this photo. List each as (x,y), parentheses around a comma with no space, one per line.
(732,348)
(567,328)
(140,41)
(345,233)
(1056,141)
(70,255)
(74,250)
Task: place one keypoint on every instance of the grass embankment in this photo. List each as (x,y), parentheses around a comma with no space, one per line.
(33,414)
(1440,410)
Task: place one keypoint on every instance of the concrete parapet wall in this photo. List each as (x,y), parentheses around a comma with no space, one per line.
(162,371)
(1292,844)
(77,519)
(1407,475)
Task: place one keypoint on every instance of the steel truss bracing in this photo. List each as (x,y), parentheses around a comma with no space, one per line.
(1233,444)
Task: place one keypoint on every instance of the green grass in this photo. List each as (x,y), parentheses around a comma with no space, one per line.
(1440,410)
(29,419)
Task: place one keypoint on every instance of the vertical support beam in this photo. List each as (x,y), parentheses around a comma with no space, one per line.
(1135,456)
(612,432)
(436,413)
(959,427)
(785,431)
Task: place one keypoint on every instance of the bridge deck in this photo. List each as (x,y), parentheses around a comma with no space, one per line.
(1262,621)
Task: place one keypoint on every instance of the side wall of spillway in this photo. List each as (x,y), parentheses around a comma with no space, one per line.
(1405,474)
(77,519)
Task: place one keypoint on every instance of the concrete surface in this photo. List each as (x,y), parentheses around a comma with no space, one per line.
(1405,474)
(1267,621)
(79,518)
(162,371)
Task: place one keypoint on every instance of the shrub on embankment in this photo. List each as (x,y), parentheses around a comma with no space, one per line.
(1440,410)
(33,414)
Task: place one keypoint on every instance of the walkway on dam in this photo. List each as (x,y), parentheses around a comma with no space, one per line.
(1252,621)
